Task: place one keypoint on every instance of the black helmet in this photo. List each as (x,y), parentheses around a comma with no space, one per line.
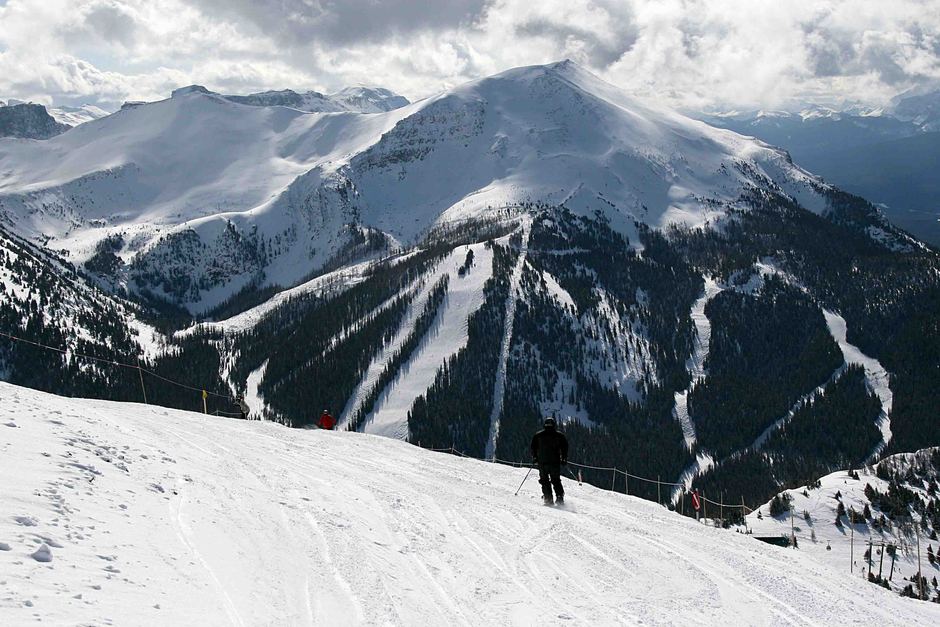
(549,423)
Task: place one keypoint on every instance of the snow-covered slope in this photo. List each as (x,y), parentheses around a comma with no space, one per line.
(129,514)
(355,99)
(205,195)
(73,116)
(819,537)
(368,99)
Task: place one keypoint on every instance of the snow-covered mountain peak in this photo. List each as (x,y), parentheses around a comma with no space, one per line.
(73,116)
(354,99)
(189,89)
(200,165)
(369,99)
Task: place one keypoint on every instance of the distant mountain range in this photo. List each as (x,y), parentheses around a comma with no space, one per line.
(34,121)
(890,157)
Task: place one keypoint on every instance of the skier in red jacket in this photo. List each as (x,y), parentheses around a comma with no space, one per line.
(327,421)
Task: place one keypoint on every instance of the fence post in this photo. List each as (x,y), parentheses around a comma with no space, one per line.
(142,388)
(613,480)
(204,396)
(659,490)
(852,545)
(920,577)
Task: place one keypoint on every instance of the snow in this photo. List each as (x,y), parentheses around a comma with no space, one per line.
(696,362)
(337,280)
(876,377)
(702,464)
(760,440)
(170,517)
(509,319)
(623,361)
(447,267)
(199,164)
(447,336)
(821,504)
(256,405)
(152,342)
(559,293)
(73,116)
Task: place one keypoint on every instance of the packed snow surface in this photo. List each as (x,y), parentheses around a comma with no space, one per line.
(158,516)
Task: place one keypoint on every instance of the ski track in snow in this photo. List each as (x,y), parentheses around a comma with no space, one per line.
(702,464)
(335,281)
(446,337)
(783,420)
(499,387)
(696,362)
(372,374)
(256,404)
(876,377)
(253,523)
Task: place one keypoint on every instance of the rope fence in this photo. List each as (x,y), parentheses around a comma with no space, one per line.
(627,475)
(113,362)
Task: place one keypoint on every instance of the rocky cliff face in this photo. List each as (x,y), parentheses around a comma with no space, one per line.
(28,121)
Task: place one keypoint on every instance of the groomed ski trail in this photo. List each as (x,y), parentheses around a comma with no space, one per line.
(705,462)
(499,387)
(696,362)
(446,337)
(313,527)
(253,397)
(876,378)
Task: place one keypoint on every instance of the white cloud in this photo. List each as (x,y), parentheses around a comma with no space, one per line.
(692,53)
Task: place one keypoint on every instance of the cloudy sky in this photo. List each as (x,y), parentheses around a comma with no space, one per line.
(689,53)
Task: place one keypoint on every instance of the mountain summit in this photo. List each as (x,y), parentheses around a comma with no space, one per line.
(277,193)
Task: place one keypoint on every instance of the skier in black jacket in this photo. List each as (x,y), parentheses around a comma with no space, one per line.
(550,453)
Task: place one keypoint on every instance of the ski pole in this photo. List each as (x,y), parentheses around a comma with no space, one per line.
(523,482)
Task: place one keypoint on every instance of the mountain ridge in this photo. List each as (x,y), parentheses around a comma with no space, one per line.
(631,162)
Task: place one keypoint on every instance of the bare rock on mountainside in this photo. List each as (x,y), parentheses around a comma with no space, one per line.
(29,121)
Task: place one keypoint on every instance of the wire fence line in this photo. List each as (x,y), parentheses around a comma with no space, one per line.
(518,464)
(113,362)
